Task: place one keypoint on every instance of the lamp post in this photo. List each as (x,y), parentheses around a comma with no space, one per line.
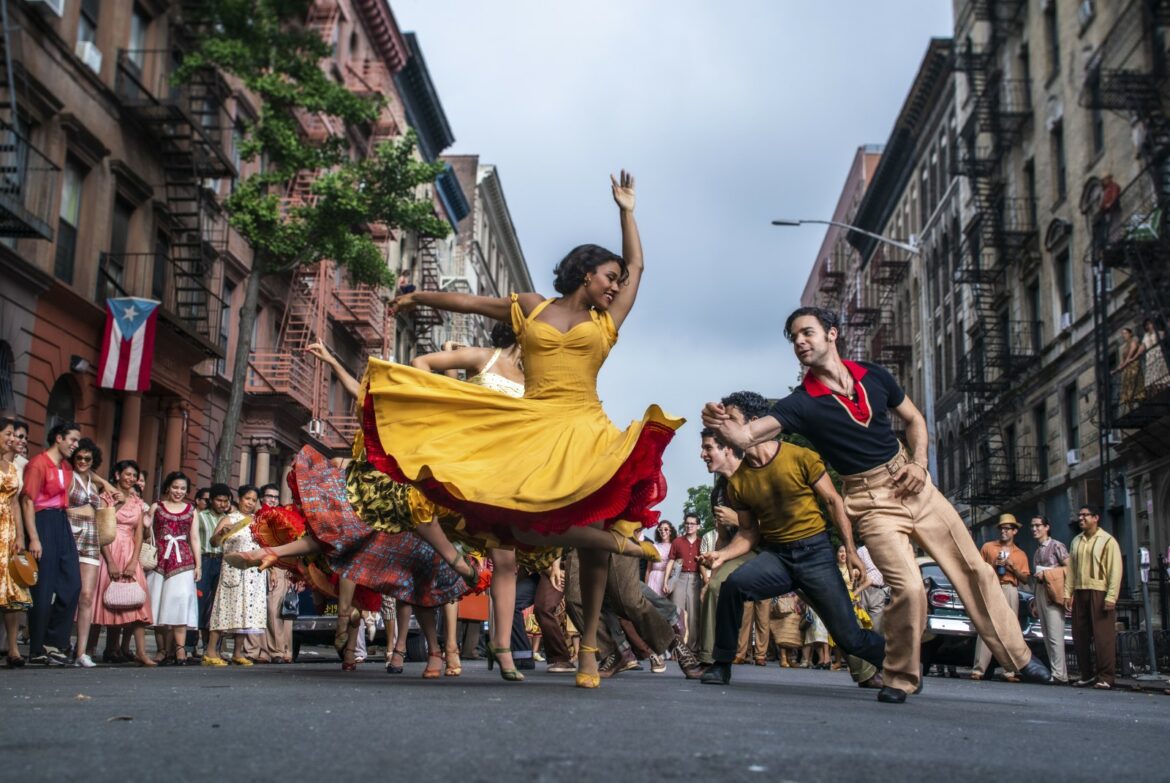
(909,247)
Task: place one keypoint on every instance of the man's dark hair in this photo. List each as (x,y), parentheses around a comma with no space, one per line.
(1043,520)
(707,432)
(85,444)
(750,404)
(502,335)
(570,273)
(1092,509)
(219,491)
(203,491)
(828,318)
(266,487)
(691,515)
(59,431)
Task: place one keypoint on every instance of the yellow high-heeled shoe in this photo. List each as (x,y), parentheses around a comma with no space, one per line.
(646,549)
(584,680)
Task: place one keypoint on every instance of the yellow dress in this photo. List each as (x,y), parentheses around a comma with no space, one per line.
(13,597)
(547,461)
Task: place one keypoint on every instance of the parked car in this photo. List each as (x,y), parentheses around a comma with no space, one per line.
(950,636)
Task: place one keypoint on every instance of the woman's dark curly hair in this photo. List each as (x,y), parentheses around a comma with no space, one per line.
(85,444)
(502,335)
(581,260)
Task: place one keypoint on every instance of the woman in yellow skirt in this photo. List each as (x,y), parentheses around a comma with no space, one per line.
(549,469)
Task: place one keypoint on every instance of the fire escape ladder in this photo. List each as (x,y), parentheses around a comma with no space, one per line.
(427,318)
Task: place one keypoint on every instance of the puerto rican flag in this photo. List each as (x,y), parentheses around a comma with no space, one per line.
(128,345)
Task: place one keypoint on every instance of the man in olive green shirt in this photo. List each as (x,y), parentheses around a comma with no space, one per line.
(775,493)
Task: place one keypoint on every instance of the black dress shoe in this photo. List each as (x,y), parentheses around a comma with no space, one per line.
(918,690)
(874,682)
(1036,672)
(718,674)
(888,695)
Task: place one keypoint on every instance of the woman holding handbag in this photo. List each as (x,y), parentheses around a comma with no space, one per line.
(85,494)
(121,580)
(173,599)
(14,597)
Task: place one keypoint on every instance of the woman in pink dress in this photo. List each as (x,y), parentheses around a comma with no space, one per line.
(120,563)
(655,572)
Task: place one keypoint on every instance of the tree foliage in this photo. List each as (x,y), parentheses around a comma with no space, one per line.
(699,502)
(265,45)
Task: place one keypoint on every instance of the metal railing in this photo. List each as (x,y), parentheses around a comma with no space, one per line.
(28,182)
(282,374)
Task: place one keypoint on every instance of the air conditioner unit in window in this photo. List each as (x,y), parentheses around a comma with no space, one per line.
(90,55)
(1113,437)
(56,6)
(1073,457)
(1065,321)
(1085,13)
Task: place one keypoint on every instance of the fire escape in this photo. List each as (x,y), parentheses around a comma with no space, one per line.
(189,124)
(425,319)
(1129,74)
(1001,231)
(28,179)
(888,269)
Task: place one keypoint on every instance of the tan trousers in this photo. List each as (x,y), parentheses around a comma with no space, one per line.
(278,637)
(982,651)
(888,524)
(755,615)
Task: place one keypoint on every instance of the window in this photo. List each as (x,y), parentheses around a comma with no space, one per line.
(7,365)
(1030,189)
(139,22)
(158,276)
(225,330)
(87,22)
(1052,38)
(112,265)
(1009,447)
(1064,282)
(70,218)
(1072,418)
(1059,162)
(1040,426)
(1096,116)
(1037,326)
(61,405)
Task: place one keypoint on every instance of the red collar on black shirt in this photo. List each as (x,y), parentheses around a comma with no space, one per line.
(859,411)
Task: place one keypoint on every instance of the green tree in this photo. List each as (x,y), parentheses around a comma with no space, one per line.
(699,502)
(266,46)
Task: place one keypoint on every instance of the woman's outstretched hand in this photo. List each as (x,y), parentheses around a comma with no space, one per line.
(403,303)
(623,190)
(319,351)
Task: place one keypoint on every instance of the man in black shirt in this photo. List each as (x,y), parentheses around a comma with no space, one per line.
(843,408)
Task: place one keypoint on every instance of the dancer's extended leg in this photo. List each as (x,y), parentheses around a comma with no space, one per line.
(451,629)
(265,558)
(434,535)
(594,568)
(590,537)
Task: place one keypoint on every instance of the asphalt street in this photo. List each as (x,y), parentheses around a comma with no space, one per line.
(312,721)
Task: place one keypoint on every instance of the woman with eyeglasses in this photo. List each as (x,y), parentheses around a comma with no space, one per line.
(85,494)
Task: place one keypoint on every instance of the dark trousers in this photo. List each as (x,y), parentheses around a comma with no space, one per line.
(208,583)
(652,615)
(58,587)
(1094,629)
(548,601)
(525,597)
(808,565)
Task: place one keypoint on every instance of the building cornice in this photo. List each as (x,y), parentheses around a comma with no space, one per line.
(897,163)
(424,111)
(379,22)
(500,218)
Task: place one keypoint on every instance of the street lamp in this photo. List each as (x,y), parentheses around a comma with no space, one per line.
(909,247)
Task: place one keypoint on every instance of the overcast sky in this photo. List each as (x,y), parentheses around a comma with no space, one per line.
(729,114)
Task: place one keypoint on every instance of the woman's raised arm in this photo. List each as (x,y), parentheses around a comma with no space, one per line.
(623,195)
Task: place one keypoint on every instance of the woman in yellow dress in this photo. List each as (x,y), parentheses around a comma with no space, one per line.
(549,469)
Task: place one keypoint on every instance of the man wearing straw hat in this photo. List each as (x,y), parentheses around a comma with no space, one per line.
(1011,567)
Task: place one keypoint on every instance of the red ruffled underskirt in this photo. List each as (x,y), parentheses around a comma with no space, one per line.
(630,494)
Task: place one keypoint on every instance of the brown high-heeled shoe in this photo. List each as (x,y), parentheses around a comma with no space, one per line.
(454,664)
(433,674)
